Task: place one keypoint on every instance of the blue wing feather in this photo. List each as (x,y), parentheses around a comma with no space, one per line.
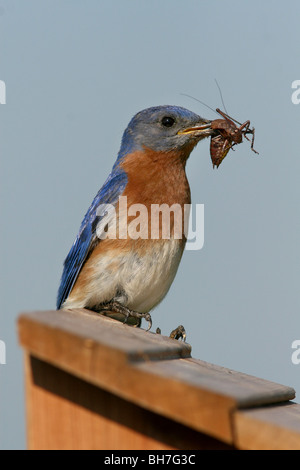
(108,194)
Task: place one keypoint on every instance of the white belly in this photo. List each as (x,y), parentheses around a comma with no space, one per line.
(138,281)
(148,283)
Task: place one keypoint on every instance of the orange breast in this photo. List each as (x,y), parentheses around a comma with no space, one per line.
(156,179)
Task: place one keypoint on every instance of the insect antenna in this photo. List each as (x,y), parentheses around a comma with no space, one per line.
(204,104)
(199,101)
(221,96)
(217,111)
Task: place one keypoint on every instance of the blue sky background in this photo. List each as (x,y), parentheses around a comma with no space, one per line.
(76,72)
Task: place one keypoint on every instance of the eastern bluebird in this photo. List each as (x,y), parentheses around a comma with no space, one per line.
(129,276)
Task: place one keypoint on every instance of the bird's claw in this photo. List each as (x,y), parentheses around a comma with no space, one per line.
(149,320)
(115,306)
(139,317)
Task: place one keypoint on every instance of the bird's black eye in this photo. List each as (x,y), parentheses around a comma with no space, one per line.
(167,121)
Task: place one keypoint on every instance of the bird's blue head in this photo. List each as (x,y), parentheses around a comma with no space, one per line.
(164,129)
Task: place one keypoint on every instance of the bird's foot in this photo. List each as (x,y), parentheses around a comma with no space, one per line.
(115,306)
(178,333)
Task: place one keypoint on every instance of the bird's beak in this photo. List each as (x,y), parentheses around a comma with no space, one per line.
(199,130)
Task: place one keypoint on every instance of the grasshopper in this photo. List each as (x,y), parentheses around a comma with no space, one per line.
(227,135)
